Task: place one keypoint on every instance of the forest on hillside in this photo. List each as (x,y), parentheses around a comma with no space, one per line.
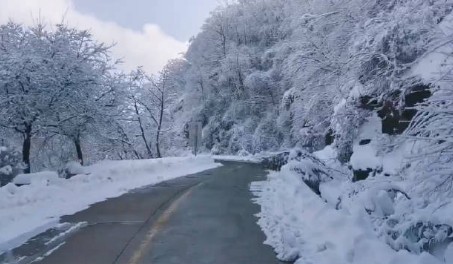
(261,76)
(269,75)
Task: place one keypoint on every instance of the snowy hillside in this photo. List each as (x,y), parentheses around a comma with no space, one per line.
(389,200)
(266,75)
(363,88)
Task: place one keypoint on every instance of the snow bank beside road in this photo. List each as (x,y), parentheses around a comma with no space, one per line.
(301,226)
(27,210)
(383,219)
(44,176)
(249,159)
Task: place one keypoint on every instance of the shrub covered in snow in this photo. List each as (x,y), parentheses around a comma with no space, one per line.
(71,169)
(339,221)
(10,164)
(309,168)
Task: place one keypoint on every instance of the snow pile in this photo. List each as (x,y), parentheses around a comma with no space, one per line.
(386,204)
(28,210)
(302,226)
(43,176)
(364,149)
(317,210)
(71,169)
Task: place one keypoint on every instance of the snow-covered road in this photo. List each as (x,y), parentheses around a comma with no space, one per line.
(29,210)
(206,217)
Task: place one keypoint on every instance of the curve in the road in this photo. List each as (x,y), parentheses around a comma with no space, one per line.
(205,218)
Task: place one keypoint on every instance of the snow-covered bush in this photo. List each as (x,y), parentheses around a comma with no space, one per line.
(309,168)
(306,228)
(432,133)
(267,136)
(420,237)
(71,169)
(345,124)
(10,164)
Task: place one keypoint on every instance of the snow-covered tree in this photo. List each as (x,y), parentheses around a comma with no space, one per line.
(52,82)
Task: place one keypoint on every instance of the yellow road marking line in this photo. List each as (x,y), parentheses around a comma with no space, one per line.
(158,226)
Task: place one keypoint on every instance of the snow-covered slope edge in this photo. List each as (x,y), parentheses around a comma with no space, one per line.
(316,210)
(28,210)
(302,226)
(392,199)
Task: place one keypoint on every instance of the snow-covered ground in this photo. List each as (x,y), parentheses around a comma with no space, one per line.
(43,176)
(400,214)
(386,219)
(29,210)
(300,225)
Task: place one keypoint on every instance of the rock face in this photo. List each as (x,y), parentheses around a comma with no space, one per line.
(390,119)
(360,175)
(276,161)
(397,110)
(329,138)
(364,142)
(418,95)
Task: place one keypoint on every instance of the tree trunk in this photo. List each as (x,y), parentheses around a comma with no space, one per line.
(79,150)
(26,146)
(159,126)
(142,130)
(158,149)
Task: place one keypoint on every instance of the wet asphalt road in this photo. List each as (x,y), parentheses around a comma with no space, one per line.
(206,218)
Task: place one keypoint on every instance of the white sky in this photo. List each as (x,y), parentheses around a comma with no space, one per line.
(136,26)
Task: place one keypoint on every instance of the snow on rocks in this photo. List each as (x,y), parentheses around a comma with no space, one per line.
(385,217)
(365,159)
(72,169)
(303,228)
(31,209)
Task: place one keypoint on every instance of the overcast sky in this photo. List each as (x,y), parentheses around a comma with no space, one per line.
(147,32)
(179,18)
